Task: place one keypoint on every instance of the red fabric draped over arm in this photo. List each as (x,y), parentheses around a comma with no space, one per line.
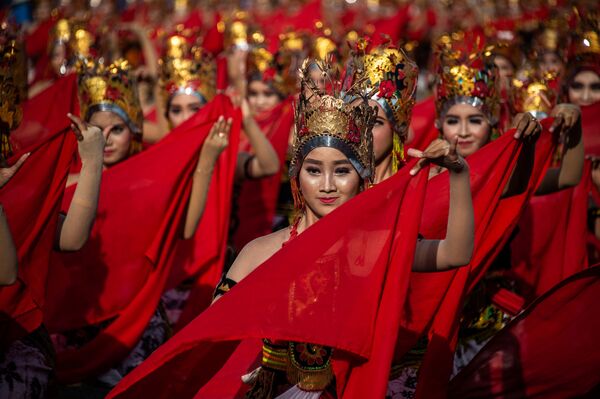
(123,268)
(32,201)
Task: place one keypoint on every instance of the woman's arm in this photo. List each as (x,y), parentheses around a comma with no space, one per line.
(215,143)
(567,123)
(265,161)
(456,248)
(8,252)
(74,230)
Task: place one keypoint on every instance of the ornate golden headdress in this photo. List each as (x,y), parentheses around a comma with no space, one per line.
(186,68)
(534,93)
(13,86)
(391,81)
(324,119)
(585,46)
(110,88)
(466,77)
(553,38)
(73,34)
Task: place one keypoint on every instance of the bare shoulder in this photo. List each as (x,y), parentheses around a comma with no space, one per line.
(255,253)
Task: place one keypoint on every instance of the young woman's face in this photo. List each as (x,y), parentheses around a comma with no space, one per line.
(585,88)
(327,180)
(182,107)
(261,97)
(468,124)
(383,135)
(551,62)
(119,139)
(506,70)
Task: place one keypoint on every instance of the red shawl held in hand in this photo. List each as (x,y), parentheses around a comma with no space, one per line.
(436,299)
(549,351)
(31,201)
(305,292)
(551,243)
(258,198)
(122,270)
(422,124)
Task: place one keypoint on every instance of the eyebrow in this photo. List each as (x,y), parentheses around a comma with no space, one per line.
(468,116)
(316,162)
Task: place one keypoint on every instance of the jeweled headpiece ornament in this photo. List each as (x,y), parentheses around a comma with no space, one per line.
(391,81)
(110,88)
(13,86)
(466,77)
(324,119)
(534,93)
(186,68)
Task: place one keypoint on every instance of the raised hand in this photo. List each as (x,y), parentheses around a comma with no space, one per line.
(527,126)
(441,153)
(218,138)
(91,139)
(566,116)
(7,173)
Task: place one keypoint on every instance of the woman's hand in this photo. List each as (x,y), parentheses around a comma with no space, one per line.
(91,139)
(566,116)
(527,126)
(441,153)
(7,173)
(218,138)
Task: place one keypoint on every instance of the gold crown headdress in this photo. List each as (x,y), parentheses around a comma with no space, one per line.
(534,93)
(110,88)
(553,38)
(391,80)
(506,44)
(324,119)
(13,86)
(466,77)
(186,68)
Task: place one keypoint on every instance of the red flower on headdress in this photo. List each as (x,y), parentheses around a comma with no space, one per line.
(353,133)
(269,74)
(171,87)
(112,93)
(386,89)
(303,131)
(480,89)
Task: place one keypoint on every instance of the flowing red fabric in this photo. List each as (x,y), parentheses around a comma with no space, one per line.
(435,300)
(549,351)
(590,123)
(122,270)
(258,198)
(422,124)
(551,241)
(31,201)
(304,292)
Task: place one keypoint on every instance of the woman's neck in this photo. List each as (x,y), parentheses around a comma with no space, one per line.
(307,219)
(383,169)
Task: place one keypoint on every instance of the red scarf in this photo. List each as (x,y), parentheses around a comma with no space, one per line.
(548,351)
(551,243)
(436,300)
(422,124)
(305,292)
(121,272)
(590,123)
(32,201)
